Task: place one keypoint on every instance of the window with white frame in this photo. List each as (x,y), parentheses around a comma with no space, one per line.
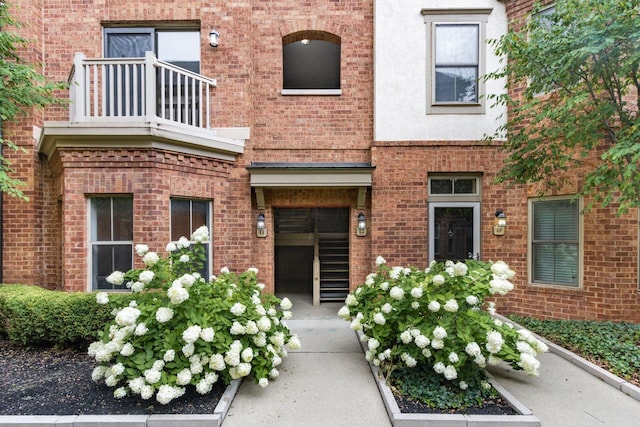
(554,236)
(186,217)
(455,60)
(111,239)
(311,63)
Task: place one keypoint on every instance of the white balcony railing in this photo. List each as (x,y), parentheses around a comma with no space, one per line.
(125,89)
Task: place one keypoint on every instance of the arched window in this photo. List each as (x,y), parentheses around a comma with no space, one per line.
(311,61)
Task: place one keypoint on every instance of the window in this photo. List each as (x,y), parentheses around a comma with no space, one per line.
(186,217)
(311,63)
(456,60)
(111,244)
(177,47)
(555,244)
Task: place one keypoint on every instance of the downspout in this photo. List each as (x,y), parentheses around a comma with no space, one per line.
(1,216)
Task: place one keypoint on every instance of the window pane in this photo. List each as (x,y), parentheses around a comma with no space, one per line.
(441,186)
(456,44)
(122,218)
(108,258)
(465,186)
(101,218)
(199,214)
(456,84)
(180,223)
(181,48)
(555,263)
(314,65)
(555,220)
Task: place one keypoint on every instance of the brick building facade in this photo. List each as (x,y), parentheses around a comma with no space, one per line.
(310,156)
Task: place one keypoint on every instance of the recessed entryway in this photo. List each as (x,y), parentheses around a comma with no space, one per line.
(312,252)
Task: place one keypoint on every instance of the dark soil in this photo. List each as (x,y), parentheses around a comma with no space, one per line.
(497,406)
(46,381)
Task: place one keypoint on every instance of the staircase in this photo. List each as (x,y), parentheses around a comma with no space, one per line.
(333,254)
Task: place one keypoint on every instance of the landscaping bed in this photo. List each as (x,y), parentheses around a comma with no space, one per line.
(47,381)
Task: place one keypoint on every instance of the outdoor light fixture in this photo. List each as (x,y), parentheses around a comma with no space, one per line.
(500,223)
(361,228)
(261,227)
(214,37)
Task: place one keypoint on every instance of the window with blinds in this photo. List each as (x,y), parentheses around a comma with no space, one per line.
(555,242)
(186,217)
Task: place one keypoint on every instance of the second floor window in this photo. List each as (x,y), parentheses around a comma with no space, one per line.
(310,61)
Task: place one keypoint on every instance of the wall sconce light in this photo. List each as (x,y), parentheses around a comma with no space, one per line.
(214,38)
(361,228)
(261,227)
(500,223)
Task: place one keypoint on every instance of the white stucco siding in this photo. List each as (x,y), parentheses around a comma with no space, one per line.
(400,55)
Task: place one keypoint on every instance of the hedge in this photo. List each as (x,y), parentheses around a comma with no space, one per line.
(35,316)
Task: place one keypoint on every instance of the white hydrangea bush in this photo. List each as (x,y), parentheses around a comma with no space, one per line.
(438,318)
(184,330)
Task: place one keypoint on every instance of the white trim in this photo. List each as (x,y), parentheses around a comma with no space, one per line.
(476,224)
(311,92)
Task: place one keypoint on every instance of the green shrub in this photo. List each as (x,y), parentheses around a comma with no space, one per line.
(35,316)
(616,345)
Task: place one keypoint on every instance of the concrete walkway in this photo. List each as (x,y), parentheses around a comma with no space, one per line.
(325,383)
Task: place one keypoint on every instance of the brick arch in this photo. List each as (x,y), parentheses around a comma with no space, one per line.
(311,27)
(311,35)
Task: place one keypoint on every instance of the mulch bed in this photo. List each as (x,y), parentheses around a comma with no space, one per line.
(496,406)
(46,381)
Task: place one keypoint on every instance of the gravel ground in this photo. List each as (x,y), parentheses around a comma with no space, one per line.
(45,381)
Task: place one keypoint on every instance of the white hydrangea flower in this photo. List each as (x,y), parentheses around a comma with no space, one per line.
(386,308)
(463,385)
(373,344)
(141,249)
(286,304)
(434,306)
(184,258)
(120,392)
(502,270)
(183,243)
(437,343)
(406,337)
(500,286)
(453,357)
(167,393)
(264,324)
(237,329)
(102,298)
(201,235)
(529,363)
(263,382)
(472,349)
(494,341)
(127,350)
(415,305)
(395,272)
(426,352)
(152,376)
(150,259)
(164,314)
(439,367)
(171,247)
(408,360)
(438,279)
(98,373)
(169,355)
(207,334)
(136,384)
(183,377)
(380,261)
(460,269)
(439,332)
(141,329)
(177,294)
(137,287)
(127,316)
(450,373)
(191,334)
(187,280)
(379,319)
(416,292)
(351,300)
(224,270)
(216,362)
(451,306)
(273,373)
(396,293)
(115,278)
(472,300)
(384,286)
(238,309)
(422,341)
(188,349)
(146,392)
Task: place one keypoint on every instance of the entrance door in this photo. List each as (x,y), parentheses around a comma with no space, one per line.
(312,252)
(454,231)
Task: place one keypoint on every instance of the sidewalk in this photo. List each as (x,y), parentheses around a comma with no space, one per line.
(325,383)
(328,383)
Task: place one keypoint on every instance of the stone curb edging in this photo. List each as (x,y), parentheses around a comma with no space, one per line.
(155,420)
(399,419)
(623,385)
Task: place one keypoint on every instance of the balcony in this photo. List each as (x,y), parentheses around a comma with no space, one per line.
(145,102)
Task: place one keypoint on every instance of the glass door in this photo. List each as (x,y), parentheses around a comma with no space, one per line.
(454,231)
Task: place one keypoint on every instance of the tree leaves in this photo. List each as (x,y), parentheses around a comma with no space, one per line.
(573,78)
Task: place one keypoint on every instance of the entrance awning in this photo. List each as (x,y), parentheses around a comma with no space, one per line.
(310,175)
